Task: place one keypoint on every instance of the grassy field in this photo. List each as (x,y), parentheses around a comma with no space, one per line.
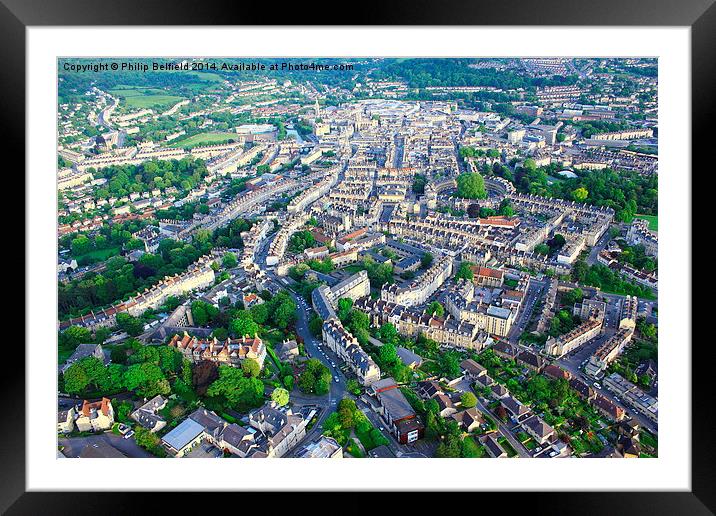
(207,76)
(141,98)
(204,139)
(652,219)
(100,254)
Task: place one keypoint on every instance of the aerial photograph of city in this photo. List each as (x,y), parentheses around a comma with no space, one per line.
(357,257)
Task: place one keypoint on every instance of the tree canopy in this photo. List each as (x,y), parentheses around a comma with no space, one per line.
(471,185)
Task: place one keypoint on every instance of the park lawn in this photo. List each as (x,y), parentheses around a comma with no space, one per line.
(100,254)
(204,139)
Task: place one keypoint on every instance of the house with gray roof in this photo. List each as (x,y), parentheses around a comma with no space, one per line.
(84,351)
(184,437)
(538,429)
(148,414)
(410,359)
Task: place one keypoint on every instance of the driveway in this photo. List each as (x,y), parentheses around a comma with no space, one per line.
(73,446)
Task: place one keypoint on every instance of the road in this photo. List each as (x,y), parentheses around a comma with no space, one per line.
(313,347)
(504,430)
(596,249)
(465,386)
(534,292)
(73,446)
(572,363)
(101,119)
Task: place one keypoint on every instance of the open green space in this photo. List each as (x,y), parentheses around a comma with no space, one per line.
(207,76)
(141,98)
(204,139)
(99,254)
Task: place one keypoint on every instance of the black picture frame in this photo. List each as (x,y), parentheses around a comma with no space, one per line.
(700,15)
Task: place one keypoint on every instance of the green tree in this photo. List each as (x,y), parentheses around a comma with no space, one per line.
(468,400)
(236,389)
(229,261)
(464,271)
(288,381)
(449,363)
(580,194)
(346,413)
(243,324)
(315,325)
(284,315)
(542,249)
(471,185)
(436,309)
(146,439)
(388,354)
(146,379)
(74,336)
(250,367)
(345,304)
(280,396)
(76,379)
(260,313)
(388,333)
(470,449)
(132,325)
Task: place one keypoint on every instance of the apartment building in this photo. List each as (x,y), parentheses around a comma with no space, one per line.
(409,322)
(608,351)
(633,396)
(346,346)
(229,352)
(570,341)
(95,416)
(487,277)
(418,291)
(627,317)
(640,234)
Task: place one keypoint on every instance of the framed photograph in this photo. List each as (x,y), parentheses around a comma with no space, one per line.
(434,239)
